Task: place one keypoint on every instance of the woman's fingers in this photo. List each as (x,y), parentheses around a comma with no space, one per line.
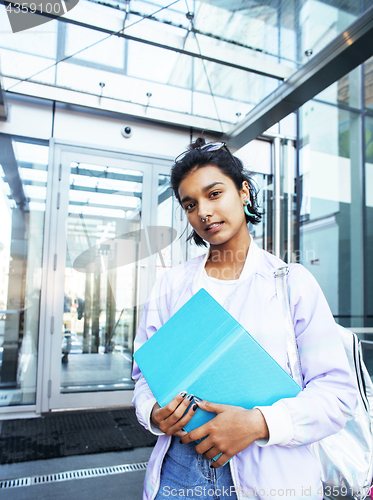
(174,404)
(214,452)
(178,413)
(171,418)
(159,414)
(232,430)
(219,462)
(177,429)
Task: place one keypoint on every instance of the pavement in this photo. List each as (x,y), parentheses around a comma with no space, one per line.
(111,486)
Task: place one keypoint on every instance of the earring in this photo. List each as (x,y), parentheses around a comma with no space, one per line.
(246,210)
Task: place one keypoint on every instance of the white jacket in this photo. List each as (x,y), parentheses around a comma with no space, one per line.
(282,467)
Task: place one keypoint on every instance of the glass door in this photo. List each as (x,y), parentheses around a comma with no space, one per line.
(168,213)
(23,187)
(101,241)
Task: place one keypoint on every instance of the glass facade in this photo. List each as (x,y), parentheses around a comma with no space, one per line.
(336,186)
(331,215)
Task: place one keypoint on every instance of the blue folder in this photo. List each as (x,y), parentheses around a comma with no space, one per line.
(203,350)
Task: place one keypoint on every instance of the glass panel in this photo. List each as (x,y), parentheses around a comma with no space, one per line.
(288,212)
(105,51)
(254,25)
(23,181)
(320,22)
(257,157)
(166,13)
(231,83)
(165,212)
(192,250)
(171,248)
(368,83)
(162,33)
(104,245)
(21,65)
(331,235)
(262,233)
(285,28)
(155,64)
(345,91)
(88,80)
(366,340)
(369,218)
(40,41)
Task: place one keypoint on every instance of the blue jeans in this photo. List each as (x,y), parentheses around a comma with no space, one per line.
(185,474)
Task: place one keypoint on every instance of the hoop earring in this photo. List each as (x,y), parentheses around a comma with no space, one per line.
(246,210)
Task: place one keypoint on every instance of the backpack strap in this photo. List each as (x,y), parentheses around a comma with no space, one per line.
(291,343)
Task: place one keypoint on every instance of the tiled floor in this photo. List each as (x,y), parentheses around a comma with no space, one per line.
(90,370)
(126,485)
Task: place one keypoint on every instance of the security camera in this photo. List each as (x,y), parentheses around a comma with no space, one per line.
(126,132)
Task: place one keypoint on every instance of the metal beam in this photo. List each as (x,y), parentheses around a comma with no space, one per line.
(347,51)
(11,172)
(3,104)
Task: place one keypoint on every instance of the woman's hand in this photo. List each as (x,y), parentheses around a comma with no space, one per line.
(170,419)
(231,431)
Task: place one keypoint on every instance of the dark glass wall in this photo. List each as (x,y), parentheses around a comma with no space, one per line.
(336,196)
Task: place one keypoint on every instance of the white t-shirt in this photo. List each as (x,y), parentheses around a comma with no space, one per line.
(218,289)
(281,424)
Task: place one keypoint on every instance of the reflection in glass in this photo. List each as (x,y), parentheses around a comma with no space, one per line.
(169,249)
(165,211)
(262,232)
(39,41)
(368,83)
(322,21)
(331,232)
(105,51)
(345,91)
(369,216)
(104,245)
(23,180)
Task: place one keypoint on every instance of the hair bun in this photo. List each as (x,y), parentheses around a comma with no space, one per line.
(199,142)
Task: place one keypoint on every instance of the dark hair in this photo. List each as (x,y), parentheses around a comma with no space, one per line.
(231,166)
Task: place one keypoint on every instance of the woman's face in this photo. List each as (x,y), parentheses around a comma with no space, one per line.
(208,193)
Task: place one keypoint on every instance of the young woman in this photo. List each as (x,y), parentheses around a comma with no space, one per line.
(264,452)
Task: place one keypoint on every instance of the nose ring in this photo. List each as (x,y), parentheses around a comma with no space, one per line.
(205,219)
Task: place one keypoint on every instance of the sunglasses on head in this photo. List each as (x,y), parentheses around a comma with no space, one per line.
(209,147)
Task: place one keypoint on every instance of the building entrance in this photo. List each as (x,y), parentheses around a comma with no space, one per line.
(110,229)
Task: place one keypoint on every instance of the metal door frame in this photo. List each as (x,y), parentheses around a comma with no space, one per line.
(284,177)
